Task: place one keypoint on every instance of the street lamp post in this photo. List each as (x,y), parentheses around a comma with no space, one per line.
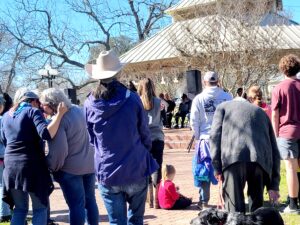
(49,73)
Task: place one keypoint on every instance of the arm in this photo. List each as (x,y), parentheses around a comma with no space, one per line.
(216,138)
(275,121)
(195,118)
(58,150)
(89,125)
(275,179)
(2,135)
(273,186)
(53,126)
(275,103)
(172,191)
(143,126)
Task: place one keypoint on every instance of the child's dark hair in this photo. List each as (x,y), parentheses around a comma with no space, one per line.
(166,171)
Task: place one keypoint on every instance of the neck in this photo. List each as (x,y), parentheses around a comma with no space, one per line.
(291,78)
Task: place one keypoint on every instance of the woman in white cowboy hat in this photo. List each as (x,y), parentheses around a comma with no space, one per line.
(118,128)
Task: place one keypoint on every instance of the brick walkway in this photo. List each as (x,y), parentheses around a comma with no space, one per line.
(182,161)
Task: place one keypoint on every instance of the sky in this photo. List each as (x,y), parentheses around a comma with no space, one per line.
(293,7)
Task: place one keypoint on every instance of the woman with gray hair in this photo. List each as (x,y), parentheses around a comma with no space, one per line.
(71,159)
(26,173)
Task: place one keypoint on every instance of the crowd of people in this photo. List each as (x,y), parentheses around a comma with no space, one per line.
(117,140)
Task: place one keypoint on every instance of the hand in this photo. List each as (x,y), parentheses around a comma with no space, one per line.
(273,196)
(62,108)
(219,177)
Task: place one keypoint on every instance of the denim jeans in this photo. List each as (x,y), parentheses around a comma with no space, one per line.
(79,193)
(21,201)
(204,192)
(4,208)
(116,197)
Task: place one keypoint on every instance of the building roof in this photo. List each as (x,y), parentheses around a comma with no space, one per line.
(184,4)
(272,18)
(188,4)
(160,47)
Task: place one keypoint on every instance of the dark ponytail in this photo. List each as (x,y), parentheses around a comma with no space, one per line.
(105,90)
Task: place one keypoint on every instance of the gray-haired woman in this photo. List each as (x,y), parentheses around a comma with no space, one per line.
(22,130)
(71,159)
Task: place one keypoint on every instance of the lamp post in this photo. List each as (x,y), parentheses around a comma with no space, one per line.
(49,73)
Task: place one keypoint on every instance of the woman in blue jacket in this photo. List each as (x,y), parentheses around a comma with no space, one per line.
(26,173)
(118,129)
(5,214)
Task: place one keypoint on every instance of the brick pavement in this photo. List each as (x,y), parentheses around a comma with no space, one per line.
(182,162)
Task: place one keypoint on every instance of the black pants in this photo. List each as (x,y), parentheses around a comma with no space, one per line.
(235,178)
(169,119)
(182,115)
(157,152)
(182,203)
(164,117)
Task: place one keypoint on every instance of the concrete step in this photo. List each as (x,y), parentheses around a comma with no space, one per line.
(177,145)
(178,138)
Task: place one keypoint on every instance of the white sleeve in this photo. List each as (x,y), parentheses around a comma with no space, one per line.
(195,117)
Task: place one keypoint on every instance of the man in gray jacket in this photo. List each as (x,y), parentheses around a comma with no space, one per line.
(244,149)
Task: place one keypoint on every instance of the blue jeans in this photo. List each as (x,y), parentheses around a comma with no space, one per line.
(4,208)
(21,201)
(116,197)
(204,192)
(79,193)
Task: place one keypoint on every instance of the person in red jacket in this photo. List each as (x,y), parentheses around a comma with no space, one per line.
(168,195)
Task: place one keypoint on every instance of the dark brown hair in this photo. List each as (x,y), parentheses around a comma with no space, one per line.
(146,91)
(105,90)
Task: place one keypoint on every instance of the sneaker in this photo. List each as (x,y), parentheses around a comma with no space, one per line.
(202,206)
(288,210)
(176,127)
(199,205)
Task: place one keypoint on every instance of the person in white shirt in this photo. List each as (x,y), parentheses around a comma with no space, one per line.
(202,112)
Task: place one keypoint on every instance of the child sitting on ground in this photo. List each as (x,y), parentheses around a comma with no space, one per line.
(168,196)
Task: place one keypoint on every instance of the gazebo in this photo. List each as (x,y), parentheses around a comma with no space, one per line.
(159,52)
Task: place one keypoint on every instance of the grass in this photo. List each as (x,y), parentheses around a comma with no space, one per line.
(288,219)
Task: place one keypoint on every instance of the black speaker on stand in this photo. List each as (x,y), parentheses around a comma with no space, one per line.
(71,93)
(193,82)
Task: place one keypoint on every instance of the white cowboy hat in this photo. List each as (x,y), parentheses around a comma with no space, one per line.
(107,66)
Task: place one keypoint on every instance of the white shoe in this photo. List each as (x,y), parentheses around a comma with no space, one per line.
(288,210)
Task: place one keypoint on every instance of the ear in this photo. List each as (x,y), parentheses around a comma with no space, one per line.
(204,213)
(222,215)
